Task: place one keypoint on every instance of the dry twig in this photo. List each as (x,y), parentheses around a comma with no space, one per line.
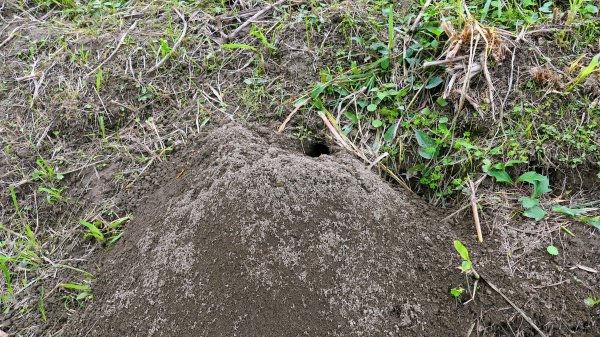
(475,211)
(114,51)
(175,46)
(253,18)
(519,310)
(289,117)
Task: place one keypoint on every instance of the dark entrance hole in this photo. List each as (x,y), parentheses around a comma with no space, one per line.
(316,149)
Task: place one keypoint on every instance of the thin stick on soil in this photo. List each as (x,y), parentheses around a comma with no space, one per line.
(445,61)
(253,18)
(331,128)
(175,46)
(352,148)
(475,212)
(114,51)
(418,19)
(10,36)
(455,213)
(521,312)
(289,117)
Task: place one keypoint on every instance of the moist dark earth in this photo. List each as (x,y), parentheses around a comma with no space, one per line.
(249,236)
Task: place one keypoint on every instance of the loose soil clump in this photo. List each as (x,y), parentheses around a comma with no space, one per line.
(258,240)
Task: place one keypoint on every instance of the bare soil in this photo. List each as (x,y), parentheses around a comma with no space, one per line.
(248,236)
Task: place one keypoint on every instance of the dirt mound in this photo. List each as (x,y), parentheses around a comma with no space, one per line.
(257,240)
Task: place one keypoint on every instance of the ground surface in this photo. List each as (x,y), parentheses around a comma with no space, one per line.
(247,237)
(141,168)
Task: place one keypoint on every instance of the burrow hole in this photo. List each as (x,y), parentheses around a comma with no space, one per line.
(316,149)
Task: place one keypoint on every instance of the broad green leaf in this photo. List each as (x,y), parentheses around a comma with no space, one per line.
(568,211)
(300,102)
(424,140)
(552,250)
(536,213)
(434,82)
(466,265)
(390,133)
(500,175)
(513,162)
(462,250)
(487,164)
(318,90)
(424,153)
(376,123)
(437,30)
(352,117)
(371,107)
(540,183)
(528,202)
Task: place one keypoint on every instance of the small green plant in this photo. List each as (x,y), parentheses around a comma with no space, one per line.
(41,305)
(46,173)
(498,170)
(578,214)
(591,301)
(552,250)
(164,48)
(7,278)
(83,291)
(13,196)
(456,292)
(99,76)
(466,265)
(106,233)
(53,194)
(532,205)
(258,33)
(593,67)
(102,128)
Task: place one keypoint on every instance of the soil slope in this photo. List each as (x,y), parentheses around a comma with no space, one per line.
(254,239)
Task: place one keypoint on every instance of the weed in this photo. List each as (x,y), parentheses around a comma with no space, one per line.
(82,292)
(456,292)
(41,306)
(99,76)
(465,267)
(46,172)
(13,197)
(102,128)
(53,194)
(594,66)
(107,233)
(260,34)
(591,301)
(552,250)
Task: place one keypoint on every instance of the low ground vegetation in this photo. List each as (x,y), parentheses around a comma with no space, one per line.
(488,107)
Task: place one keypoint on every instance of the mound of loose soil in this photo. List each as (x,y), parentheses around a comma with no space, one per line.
(257,240)
(248,236)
